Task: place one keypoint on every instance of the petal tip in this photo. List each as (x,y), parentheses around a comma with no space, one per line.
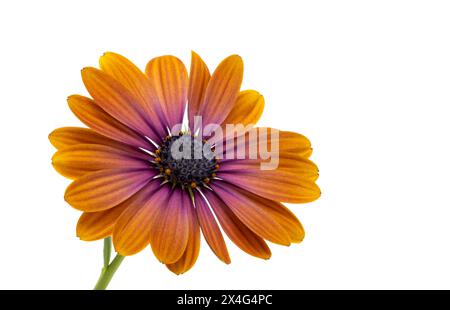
(176,272)
(239,61)
(108,53)
(226,261)
(266,256)
(50,136)
(87,71)
(66,196)
(82,237)
(236,60)
(71,97)
(235,56)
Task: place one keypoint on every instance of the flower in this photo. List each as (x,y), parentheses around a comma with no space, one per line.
(131,186)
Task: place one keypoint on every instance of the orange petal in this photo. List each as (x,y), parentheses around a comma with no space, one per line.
(261,139)
(222,91)
(69,136)
(170,230)
(288,168)
(98,225)
(278,185)
(239,233)
(169,80)
(288,142)
(282,215)
(211,230)
(198,81)
(251,213)
(77,160)
(105,189)
(289,222)
(100,121)
(190,255)
(132,230)
(136,82)
(116,100)
(127,74)
(247,109)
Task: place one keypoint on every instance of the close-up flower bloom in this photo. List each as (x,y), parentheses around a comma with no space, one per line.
(130,185)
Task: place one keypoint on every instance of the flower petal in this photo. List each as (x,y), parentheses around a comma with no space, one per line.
(116,100)
(98,225)
(136,82)
(77,160)
(288,168)
(288,220)
(282,215)
(105,189)
(211,230)
(103,123)
(292,181)
(247,109)
(190,255)
(169,80)
(222,91)
(294,175)
(251,213)
(132,230)
(170,229)
(199,77)
(239,233)
(69,136)
(259,140)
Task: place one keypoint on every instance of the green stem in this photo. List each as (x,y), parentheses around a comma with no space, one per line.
(106,251)
(109,269)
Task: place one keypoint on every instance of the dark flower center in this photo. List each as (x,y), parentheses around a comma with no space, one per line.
(186,161)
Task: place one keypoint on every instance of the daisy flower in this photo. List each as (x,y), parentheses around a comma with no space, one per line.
(151,170)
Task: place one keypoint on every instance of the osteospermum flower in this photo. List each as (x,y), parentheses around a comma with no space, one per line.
(131,186)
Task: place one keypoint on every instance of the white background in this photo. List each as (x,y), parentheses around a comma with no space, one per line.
(367,81)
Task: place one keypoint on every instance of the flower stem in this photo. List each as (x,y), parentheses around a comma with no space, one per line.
(108,269)
(106,251)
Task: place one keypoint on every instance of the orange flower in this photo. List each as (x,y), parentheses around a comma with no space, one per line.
(130,186)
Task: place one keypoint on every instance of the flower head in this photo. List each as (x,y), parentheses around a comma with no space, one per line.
(160,162)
